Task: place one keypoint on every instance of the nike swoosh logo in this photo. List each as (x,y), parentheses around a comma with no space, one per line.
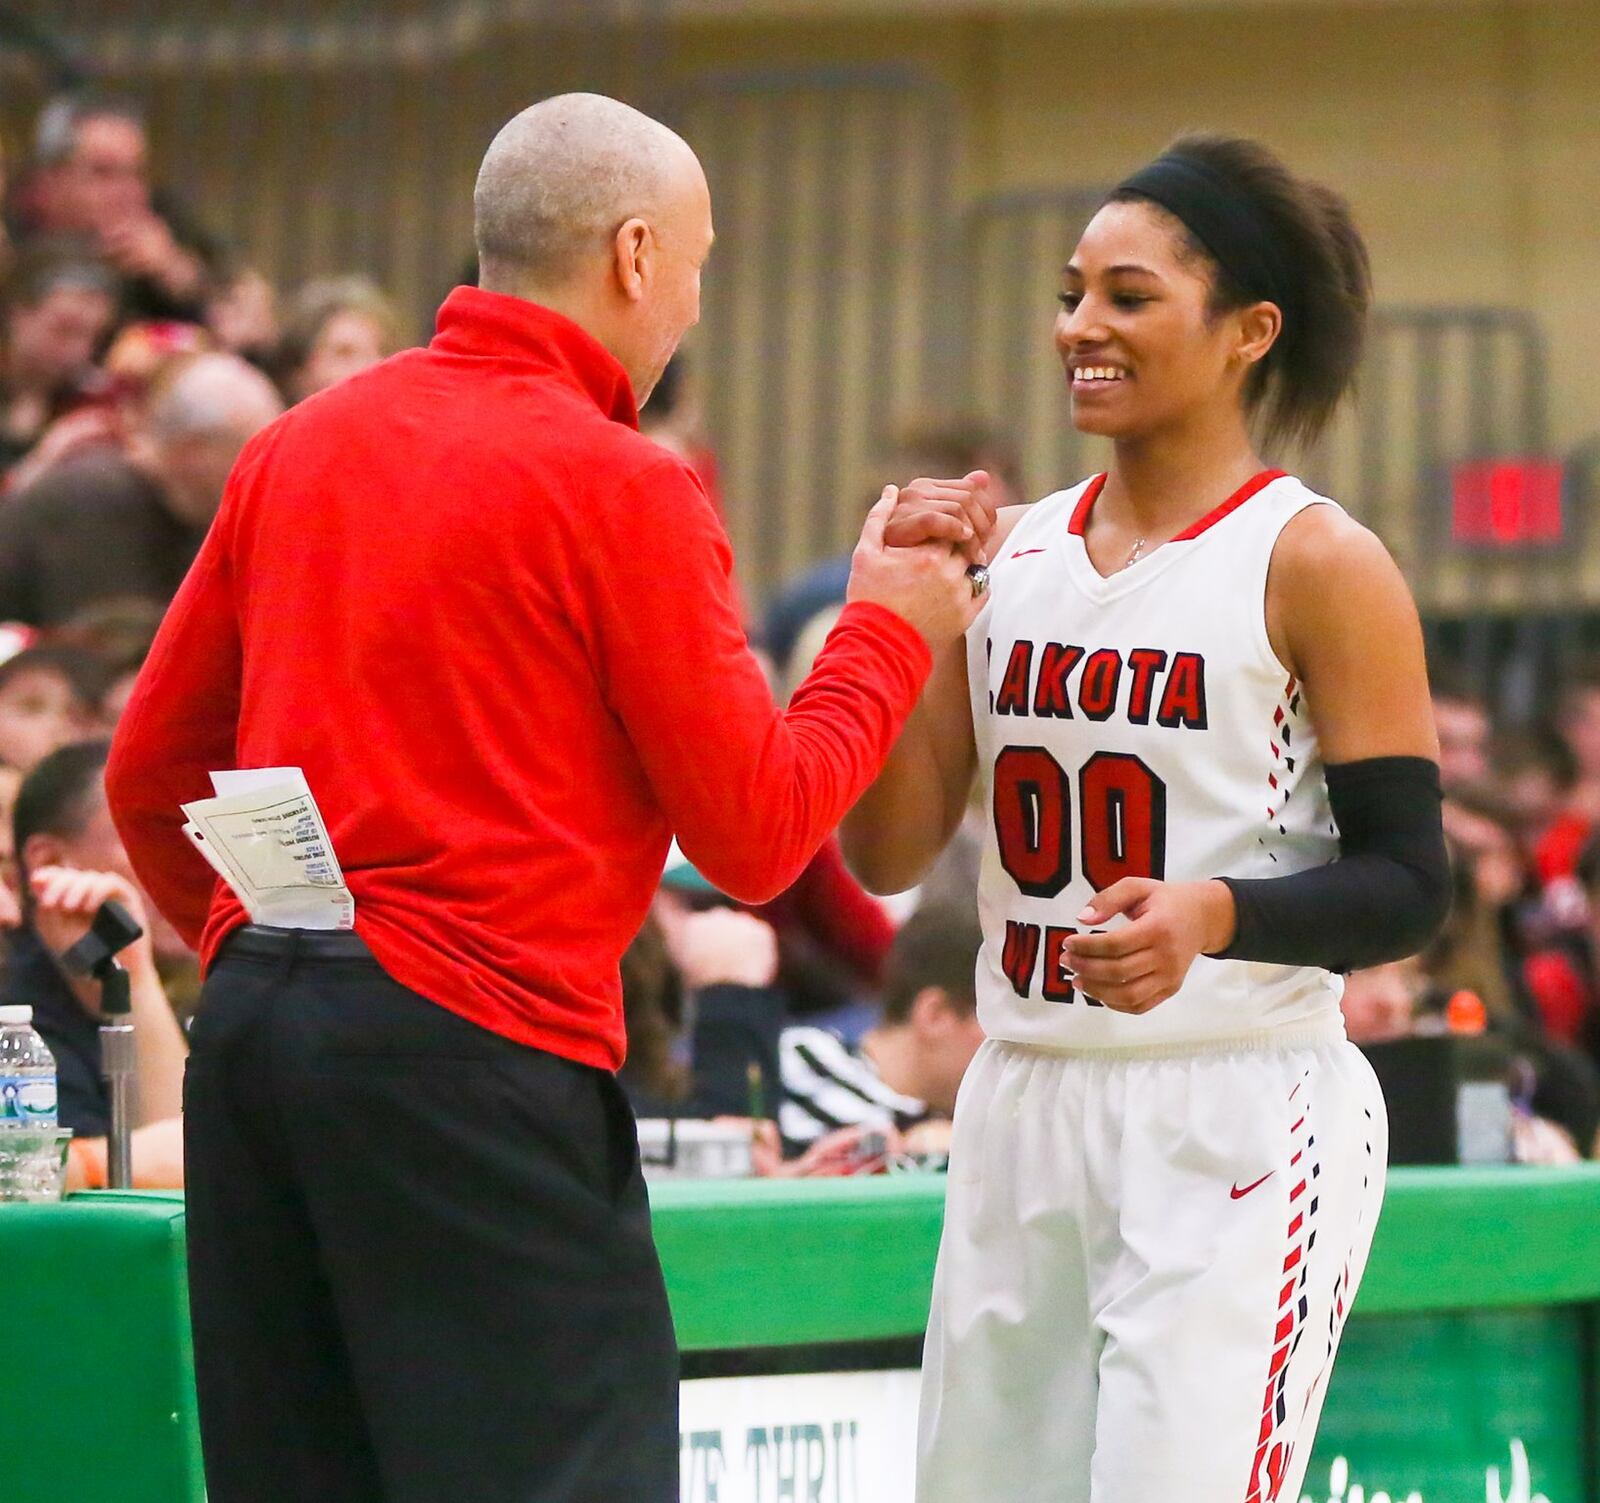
(1237,1194)
(1026,551)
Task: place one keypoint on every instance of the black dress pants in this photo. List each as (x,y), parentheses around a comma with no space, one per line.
(420,1260)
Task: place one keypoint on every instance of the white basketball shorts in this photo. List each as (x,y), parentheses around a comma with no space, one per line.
(1146,1266)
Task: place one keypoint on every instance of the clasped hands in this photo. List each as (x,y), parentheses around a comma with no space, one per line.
(957,512)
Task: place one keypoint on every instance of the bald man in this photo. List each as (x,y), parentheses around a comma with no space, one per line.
(496,628)
(111,525)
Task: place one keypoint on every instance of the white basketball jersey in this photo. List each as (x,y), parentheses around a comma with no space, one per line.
(1140,725)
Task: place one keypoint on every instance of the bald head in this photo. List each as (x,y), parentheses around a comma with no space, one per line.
(196,422)
(601,214)
(561,177)
(212,395)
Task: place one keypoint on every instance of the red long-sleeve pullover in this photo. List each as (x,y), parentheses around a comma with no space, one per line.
(495,626)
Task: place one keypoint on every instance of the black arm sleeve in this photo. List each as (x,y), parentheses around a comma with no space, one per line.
(1383,898)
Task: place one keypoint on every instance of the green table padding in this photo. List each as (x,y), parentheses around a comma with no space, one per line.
(1476,1321)
(1428,1402)
(782,1263)
(99,1404)
(778,1263)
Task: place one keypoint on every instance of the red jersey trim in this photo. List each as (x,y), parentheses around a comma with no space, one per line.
(1091,494)
(1080,512)
(1232,504)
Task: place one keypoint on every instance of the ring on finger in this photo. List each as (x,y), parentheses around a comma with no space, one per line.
(978,578)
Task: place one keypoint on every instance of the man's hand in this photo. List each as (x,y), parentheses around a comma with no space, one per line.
(958,512)
(144,246)
(926,585)
(1141,963)
(65,902)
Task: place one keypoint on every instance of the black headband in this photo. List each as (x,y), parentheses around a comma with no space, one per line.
(1226,221)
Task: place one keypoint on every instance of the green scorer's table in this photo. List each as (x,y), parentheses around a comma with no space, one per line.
(1475,1342)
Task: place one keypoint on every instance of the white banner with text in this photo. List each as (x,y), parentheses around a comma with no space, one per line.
(804,1438)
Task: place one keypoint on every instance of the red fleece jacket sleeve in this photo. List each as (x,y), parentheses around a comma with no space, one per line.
(181,722)
(750,791)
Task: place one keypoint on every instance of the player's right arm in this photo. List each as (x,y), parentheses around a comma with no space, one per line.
(902,822)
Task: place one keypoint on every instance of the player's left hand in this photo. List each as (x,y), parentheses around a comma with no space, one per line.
(1140,964)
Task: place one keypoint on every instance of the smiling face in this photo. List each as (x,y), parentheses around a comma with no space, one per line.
(1143,349)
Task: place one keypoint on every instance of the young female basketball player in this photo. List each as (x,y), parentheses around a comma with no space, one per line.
(1196,700)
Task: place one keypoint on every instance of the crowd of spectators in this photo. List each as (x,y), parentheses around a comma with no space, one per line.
(138,355)
(1519,958)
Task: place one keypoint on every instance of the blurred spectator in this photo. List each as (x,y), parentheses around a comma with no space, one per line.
(909,1065)
(1462,719)
(335,327)
(708,1037)
(672,418)
(57,309)
(1549,1120)
(808,643)
(132,367)
(242,316)
(1379,1002)
(103,526)
(1563,975)
(724,1002)
(1535,773)
(47,699)
(1472,952)
(1475,955)
(655,1076)
(936,449)
(833,934)
(72,862)
(1557,850)
(143,352)
(90,178)
(119,635)
(10,877)
(833,940)
(5,231)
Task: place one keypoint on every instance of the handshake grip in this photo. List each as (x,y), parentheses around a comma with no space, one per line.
(923,554)
(958,512)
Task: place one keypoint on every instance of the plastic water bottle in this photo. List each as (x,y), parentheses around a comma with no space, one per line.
(28,1139)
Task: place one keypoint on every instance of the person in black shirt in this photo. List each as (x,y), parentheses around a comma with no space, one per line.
(34,978)
(71,861)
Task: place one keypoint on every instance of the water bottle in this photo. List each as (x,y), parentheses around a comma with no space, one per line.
(29,1153)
